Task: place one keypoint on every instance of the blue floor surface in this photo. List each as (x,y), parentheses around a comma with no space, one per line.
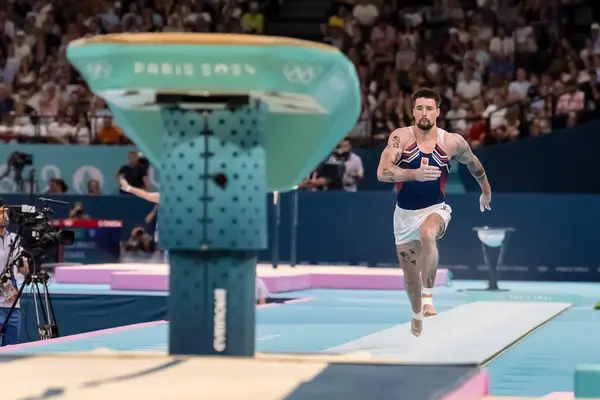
(545,361)
(541,363)
(331,318)
(78,288)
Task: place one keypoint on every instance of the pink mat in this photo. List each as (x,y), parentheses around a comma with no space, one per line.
(559,396)
(87,274)
(124,278)
(137,281)
(473,388)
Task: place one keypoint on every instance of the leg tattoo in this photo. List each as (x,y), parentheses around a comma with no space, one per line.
(412,281)
(408,257)
(429,265)
(429,254)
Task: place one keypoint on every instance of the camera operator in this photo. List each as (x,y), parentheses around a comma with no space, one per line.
(139,241)
(11,336)
(341,171)
(78,212)
(354,171)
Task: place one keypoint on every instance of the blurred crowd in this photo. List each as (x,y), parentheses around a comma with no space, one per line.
(44,100)
(506,68)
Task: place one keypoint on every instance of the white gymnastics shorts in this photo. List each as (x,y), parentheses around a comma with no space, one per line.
(408,222)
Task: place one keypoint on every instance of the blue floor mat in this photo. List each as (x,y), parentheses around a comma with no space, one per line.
(545,361)
(330,319)
(541,363)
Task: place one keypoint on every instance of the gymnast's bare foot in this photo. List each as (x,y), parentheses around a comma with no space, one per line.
(416,324)
(428,308)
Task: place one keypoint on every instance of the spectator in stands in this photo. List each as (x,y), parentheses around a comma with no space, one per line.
(7,103)
(26,77)
(365,13)
(395,47)
(382,127)
(520,85)
(524,42)
(9,66)
(591,89)
(496,112)
(19,48)
(81,131)
(57,186)
(93,187)
(570,105)
(134,173)
(78,212)
(253,20)
(456,116)
(60,131)
(47,101)
(469,87)
(109,133)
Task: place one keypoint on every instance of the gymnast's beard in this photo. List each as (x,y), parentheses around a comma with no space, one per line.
(424,124)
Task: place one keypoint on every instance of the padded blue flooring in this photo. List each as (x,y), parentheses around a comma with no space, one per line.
(543,362)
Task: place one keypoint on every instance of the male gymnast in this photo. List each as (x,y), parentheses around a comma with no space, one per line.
(416,159)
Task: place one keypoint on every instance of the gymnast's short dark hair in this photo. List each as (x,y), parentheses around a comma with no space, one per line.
(426,93)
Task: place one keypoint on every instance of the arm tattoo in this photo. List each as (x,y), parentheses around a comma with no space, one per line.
(464,155)
(391,156)
(387,172)
(391,161)
(478,173)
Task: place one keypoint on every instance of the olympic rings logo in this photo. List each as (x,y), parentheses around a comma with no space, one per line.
(303,74)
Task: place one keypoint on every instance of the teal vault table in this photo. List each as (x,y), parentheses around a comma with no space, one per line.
(226,119)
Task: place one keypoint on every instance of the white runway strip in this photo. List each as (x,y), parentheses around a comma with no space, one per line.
(469,334)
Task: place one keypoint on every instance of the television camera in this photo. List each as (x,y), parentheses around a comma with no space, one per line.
(334,168)
(30,246)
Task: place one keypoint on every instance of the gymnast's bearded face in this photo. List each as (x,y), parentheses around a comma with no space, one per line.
(425,113)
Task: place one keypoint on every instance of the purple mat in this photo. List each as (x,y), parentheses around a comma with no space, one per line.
(373,282)
(91,274)
(139,281)
(122,278)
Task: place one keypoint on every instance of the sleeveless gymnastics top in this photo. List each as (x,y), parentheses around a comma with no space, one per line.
(415,195)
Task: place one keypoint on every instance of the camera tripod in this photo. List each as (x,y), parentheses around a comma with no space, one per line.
(44,311)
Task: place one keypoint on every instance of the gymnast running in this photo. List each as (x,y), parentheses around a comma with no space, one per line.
(417,160)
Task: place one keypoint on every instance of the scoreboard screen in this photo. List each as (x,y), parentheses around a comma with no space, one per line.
(96,241)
